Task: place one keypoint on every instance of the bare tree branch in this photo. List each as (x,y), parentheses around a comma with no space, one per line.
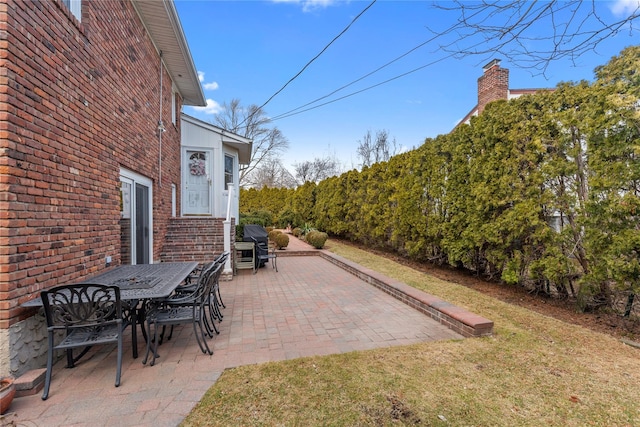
(252,123)
(270,173)
(380,150)
(530,34)
(317,169)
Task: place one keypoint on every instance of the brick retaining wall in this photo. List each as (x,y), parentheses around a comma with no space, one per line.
(456,318)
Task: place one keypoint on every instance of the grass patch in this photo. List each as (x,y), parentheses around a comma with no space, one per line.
(534,371)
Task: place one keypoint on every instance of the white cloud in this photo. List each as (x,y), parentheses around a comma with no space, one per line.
(309,5)
(403,149)
(207,86)
(212,108)
(625,8)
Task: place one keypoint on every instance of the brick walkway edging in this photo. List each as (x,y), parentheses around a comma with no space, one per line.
(455,318)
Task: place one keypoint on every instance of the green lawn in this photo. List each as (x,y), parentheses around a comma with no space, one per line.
(534,371)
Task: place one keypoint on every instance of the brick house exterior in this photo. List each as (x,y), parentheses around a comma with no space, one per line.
(85,88)
(493,85)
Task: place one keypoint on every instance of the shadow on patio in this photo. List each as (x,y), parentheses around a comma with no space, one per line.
(310,307)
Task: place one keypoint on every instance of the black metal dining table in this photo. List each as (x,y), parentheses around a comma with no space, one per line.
(138,283)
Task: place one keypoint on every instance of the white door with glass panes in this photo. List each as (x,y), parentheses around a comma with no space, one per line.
(197,170)
(136,218)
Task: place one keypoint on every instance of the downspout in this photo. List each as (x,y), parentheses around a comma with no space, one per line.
(161,128)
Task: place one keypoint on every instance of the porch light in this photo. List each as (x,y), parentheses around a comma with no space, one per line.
(161,127)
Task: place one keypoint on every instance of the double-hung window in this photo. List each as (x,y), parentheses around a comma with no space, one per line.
(75,6)
(174,106)
(228,170)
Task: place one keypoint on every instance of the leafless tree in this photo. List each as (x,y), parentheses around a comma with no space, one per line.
(531,34)
(270,173)
(252,123)
(317,169)
(380,150)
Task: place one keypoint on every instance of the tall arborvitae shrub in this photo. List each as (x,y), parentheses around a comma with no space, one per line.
(542,191)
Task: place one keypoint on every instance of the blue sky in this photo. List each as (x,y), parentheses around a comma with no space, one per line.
(250,49)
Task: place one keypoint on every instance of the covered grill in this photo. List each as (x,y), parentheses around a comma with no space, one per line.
(257,233)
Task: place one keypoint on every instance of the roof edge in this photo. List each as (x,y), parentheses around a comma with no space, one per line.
(184,47)
(162,26)
(240,143)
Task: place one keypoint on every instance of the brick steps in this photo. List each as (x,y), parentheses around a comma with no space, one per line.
(193,239)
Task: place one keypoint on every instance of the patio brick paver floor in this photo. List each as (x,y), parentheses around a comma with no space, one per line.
(310,307)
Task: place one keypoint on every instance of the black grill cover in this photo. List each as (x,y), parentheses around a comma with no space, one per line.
(257,232)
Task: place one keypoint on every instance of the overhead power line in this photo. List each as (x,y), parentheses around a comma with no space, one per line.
(318,55)
(476,20)
(289,113)
(295,111)
(285,115)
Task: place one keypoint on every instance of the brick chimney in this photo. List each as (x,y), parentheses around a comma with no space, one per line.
(493,84)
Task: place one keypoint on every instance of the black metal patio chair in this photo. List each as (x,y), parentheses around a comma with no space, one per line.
(181,308)
(87,315)
(265,253)
(215,298)
(192,280)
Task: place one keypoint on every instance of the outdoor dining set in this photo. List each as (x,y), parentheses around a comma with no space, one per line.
(158,297)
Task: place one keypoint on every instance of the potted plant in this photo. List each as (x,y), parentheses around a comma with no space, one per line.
(7,392)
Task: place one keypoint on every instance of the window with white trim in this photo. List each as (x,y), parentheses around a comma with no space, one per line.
(75,7)
(174,203)
(228,170)
(174,106)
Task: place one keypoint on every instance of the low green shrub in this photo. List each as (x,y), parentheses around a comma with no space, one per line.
(273,233)
(317,239)
(263,218)
(281,240)
(297,232)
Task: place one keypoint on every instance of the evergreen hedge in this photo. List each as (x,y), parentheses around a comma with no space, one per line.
(542,191)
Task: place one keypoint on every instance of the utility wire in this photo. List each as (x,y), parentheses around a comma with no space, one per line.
(299,110)
(292,112)
(353,82)
(318,55)
(287,113)
(295,111)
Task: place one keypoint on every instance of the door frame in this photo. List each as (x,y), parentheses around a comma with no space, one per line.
(211,152)
(135,179)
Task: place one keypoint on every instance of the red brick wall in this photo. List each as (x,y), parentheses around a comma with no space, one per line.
(77,102)
(194,239)
(492,85)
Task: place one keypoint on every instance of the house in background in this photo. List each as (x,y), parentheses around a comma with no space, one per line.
(209,204)
(211,158)
(492,86)
(90,151)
